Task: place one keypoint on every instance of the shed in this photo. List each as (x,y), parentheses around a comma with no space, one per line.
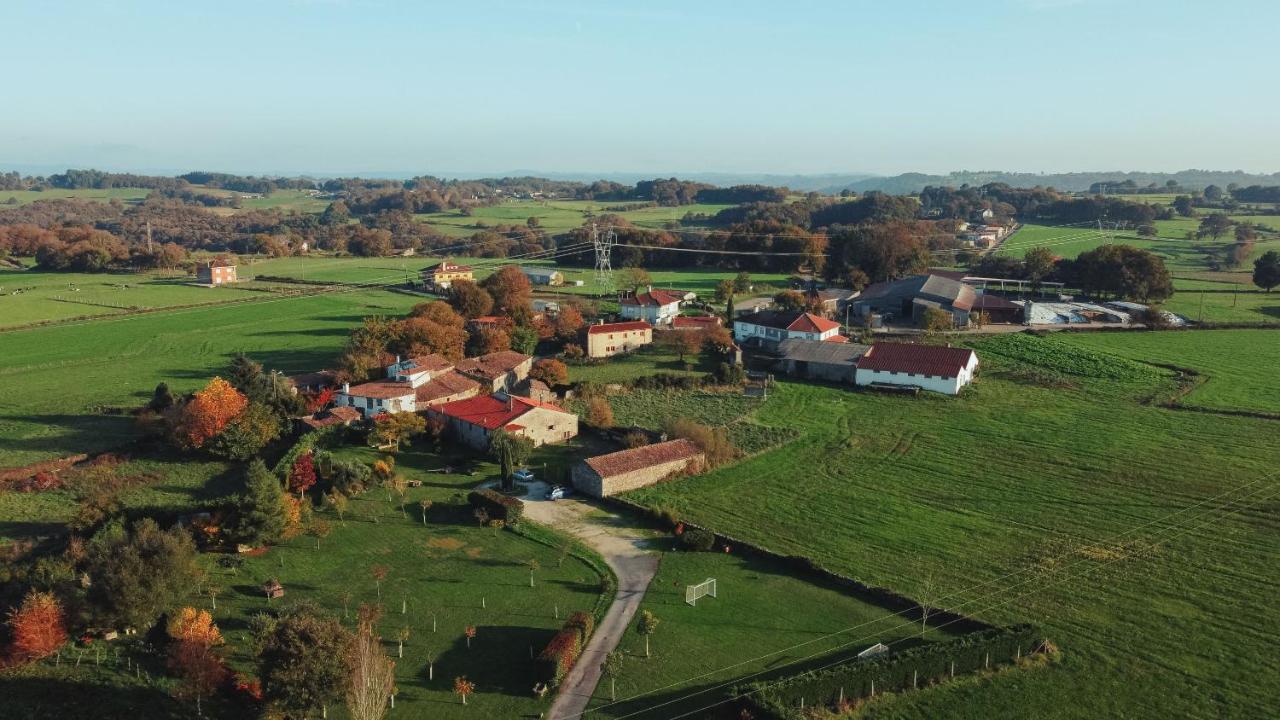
(605,475)
(273,589)
(818,360)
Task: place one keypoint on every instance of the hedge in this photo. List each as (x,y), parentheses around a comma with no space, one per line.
(499,506)
(557,658)
(305,444)
(887,673)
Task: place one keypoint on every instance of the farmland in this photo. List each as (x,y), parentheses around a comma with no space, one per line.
(1016,497)
(68,373)
(1238,365)
(556,216)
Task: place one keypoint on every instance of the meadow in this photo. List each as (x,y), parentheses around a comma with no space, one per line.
(557,216)
(23,197)
(60,378)
(1044,496)
(1238,365)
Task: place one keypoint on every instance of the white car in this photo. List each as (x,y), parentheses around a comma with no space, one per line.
(557,492)
(523,475)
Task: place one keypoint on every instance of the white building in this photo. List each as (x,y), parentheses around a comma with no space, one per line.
(775,326)
(377,397)
(936,368)
(656,307)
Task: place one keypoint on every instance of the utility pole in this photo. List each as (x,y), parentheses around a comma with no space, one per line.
(603,244)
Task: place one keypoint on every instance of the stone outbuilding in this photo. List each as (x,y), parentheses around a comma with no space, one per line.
(605,475)
(816,360)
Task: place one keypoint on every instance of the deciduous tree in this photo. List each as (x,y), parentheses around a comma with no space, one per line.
(469,299)
(302,476)
(372,676)
(208,413)
(550,371)
(38,627)
(647,626)
(304,660)
(1266,270)
(509,287)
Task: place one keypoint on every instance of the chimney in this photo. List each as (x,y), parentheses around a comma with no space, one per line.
(650,287)
(346,388)
(397,359)
(600,321)
(510,404)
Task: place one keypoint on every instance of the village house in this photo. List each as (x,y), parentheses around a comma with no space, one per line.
(441,276)
(342,415)
(770,327)
(490,322)
(817,360)
(543,275)
(608,339)
(605,475)
(475,420)
(909,298)
(501,370)
(377,397)
(656,307)
(433,379)
(312,381)
(938,368)
(218,271)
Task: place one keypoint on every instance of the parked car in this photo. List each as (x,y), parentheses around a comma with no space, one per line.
(558,492)
(523,475)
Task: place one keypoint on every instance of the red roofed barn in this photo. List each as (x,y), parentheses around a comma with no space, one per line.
(618,472)
(930,367)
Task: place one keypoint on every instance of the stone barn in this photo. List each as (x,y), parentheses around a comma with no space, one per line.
(605,475)
(817,360)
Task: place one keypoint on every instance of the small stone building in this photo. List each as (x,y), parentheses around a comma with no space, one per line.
(605,475)
(216,272)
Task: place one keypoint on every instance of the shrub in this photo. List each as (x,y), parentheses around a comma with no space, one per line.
(697,539)
(599,413)
(557,658)
(666,381)
(497,505)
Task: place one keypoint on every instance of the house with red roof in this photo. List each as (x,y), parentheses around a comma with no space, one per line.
(938,368)
(654,306)
(218,271)
(377,397)
(441,276)
(496,371)
(475,420)
(774,326)
(609,339)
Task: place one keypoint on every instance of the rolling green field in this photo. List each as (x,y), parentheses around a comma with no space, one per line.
(104,195)
(1170,242)
(1041,495)
(298,200)
(1218,301)
(557,216)
(28,296)
(1239,364)
(60,376)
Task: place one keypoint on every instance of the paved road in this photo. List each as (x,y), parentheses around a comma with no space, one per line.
(624,549)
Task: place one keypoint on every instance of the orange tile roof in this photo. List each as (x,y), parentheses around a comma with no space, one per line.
(938,360)
(492,365)
(383,389)
(654,298)
(619,327)
(645,456)
(490,412)
(444,386)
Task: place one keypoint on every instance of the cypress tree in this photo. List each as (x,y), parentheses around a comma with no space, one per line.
(260,516)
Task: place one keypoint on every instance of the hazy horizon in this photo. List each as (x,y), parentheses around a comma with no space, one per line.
(344,87)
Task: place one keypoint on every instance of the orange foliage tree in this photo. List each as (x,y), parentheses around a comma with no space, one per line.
(192,625)
(209,412)
(192,657)
(39,627)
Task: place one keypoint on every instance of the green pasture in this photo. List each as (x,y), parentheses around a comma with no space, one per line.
(128,195)
(1043,494)
(60,377)
(558,216)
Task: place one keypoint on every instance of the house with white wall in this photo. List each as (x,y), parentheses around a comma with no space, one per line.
(656,307)
(937,368)
(771,326)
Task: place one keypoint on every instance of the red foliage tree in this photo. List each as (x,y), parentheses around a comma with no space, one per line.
(509,287)
(319,400)
(303,474)
(39,627)
(209,412)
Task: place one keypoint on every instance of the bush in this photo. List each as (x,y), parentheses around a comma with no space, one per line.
(557,658)
(666,381)
(497,505)
(697,539)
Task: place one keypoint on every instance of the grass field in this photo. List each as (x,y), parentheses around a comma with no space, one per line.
(764,619)
(283,199)
(1170,242)
(448,573)
(1217,301)
(1015,498)
(58,377)
(23,197)
(557,216)
(1239,364)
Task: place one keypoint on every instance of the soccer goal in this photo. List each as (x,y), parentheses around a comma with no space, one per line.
(706,588)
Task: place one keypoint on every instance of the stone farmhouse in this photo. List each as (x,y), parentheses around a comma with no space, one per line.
(475,420)
(609,339)
(656,307)
(411,385)
(605,475)
(943,369)
(496,371)
(770,327)
(441,276)
(219,271)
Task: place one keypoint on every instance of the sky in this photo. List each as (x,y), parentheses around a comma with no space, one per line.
(473,87)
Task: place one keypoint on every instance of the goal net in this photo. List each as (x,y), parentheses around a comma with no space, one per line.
(706,588)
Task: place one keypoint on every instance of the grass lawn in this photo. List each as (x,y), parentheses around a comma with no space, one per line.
(1217,301)
(131,195)
(1239,364)
(764,619)
(648,360)
(558,216)
(1007,496)
(59,376)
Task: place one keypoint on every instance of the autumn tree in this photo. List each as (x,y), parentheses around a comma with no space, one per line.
(469,299)
(550,371)
(724,291)
(599,413)
(647,626)
(260,512)
(38,627)
(304,660)
(713,441)
(193,656)
(396,429)
(248,433)
(509,287)
(790,300)
(463,687)
(302,476)
(1037,264)
(372,674)
(612,668)
(634,278)
(487,340)
(207,413)
(568,323)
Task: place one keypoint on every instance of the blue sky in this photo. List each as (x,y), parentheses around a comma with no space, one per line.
(346,86)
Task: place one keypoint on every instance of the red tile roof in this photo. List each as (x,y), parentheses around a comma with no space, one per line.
(808,322)
(696,323)
(333,416)
(431,363)
(654,298)
(946,362)
(619,327)
(645,456)
(446,385)
(447,267)
(491,412)
(492,365)
(381,389)
(836,339)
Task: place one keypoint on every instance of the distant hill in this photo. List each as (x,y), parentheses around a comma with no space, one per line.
(908,183)
(803,183)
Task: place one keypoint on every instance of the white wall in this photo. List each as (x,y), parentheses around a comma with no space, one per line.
(948,386)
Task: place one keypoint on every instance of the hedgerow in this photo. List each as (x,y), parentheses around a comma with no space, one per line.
(497,505)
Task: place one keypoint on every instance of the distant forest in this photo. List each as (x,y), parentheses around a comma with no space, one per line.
(909,183)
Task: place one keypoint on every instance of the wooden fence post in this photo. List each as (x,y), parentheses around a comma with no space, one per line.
(953,669)
(986,661)
(915,677)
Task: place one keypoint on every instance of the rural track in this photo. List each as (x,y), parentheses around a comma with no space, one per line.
(624,550)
